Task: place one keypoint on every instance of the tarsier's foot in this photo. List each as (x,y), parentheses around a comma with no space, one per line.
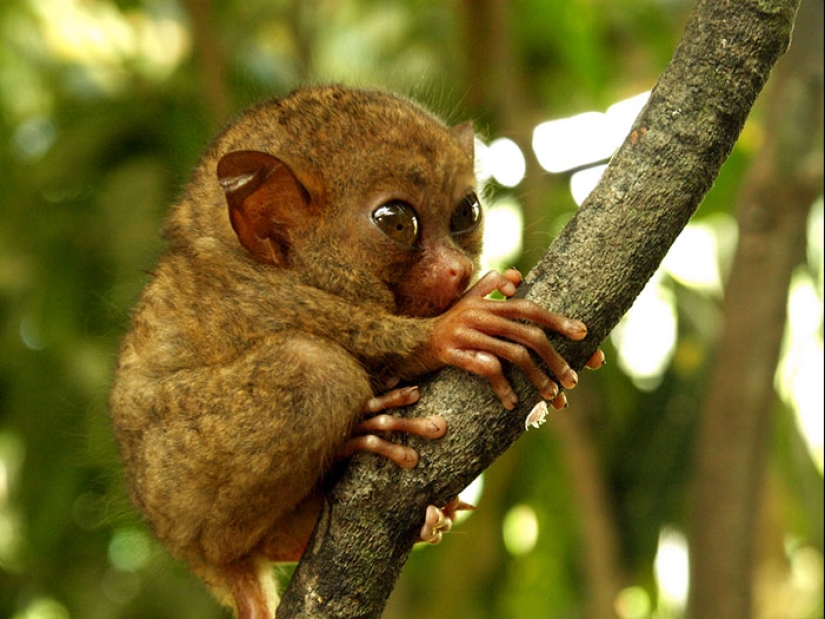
(437,521)
(364,439)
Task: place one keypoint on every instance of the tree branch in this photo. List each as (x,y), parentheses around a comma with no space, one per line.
(592,272)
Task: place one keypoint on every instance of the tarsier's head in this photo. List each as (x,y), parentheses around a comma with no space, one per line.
(358,192)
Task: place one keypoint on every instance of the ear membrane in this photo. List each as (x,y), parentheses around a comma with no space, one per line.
(466,136)
(266,203)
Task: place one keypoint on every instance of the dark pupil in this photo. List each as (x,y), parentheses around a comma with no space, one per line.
(394,219)
(466,215)
(398,220)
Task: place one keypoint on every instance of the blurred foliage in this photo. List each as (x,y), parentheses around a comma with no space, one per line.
(104,108)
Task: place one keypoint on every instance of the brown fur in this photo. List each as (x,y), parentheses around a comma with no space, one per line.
(240,381)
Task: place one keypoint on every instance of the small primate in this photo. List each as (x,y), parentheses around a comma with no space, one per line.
(321,253)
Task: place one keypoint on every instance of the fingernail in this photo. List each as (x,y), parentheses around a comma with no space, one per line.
(550,390)
(438,424)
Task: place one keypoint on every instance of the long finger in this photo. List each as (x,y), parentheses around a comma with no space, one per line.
(392,399)
(405,457)
(496,335)
(534,338)
(491,282)
(433,426)
(514,275)
(596,360)
(487,366)
(522,309)
(519,355)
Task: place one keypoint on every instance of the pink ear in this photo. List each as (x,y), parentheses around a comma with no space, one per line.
(266,202)
(466,136)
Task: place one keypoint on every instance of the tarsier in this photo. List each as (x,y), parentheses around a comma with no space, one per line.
(321,253)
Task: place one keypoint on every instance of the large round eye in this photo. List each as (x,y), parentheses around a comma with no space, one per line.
(466,216)
(398,221)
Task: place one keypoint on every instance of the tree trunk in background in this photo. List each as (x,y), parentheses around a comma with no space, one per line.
(600,544)
(211,60)
(733,442)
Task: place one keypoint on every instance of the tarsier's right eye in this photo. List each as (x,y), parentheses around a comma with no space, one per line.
(466,216)
(398,221)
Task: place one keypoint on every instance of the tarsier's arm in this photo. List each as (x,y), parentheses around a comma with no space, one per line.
(474,334)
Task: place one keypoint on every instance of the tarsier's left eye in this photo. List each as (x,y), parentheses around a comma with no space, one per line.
(398,221)
(466,216)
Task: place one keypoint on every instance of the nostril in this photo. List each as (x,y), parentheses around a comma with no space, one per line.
(459,271)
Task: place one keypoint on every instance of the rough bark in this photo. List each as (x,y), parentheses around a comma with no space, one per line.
(734,431)
(593,272)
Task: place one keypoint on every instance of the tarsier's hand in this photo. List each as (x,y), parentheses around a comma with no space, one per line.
(477,332)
